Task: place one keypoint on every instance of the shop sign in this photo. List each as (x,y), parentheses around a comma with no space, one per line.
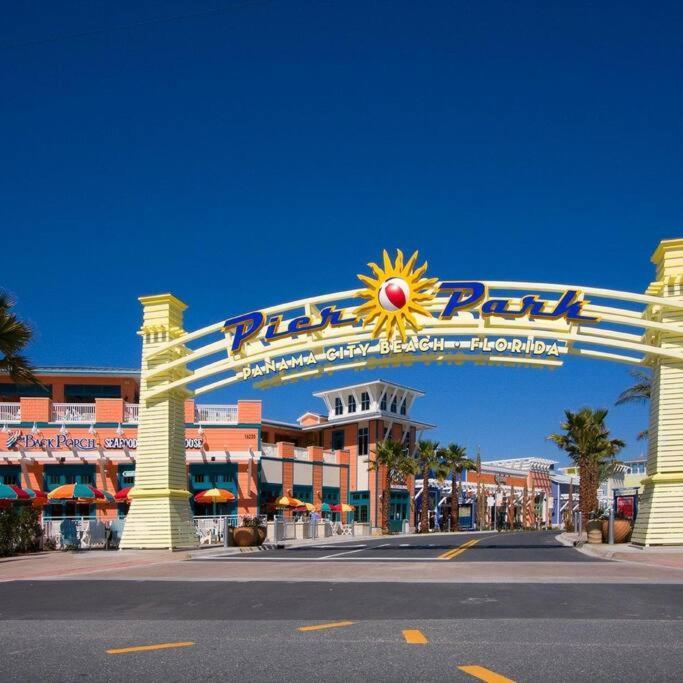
(59,442)
(132,443)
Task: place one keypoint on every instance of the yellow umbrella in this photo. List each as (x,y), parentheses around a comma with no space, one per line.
(287,502)
(307,507)
(342,508)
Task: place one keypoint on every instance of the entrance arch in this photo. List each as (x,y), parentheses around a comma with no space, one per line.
(401,317)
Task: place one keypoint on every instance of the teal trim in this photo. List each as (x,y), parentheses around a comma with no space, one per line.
(304,462)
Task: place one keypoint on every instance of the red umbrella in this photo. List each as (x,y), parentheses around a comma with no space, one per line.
(122,495)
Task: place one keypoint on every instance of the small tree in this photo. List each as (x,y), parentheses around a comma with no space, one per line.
(428,461)
(455,460)
(639,392)
(586,439)
(393,461)
(14,337)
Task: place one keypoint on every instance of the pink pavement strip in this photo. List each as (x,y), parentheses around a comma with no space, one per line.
(166,566)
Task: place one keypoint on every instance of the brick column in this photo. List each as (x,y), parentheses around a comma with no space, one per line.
(36,409)
(246,488)
(315,453)
(660,514)
(188,411)
(286,452)
(343,458)
(109,410)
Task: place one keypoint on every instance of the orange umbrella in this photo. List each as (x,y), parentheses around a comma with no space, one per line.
(215,496)
(287,502)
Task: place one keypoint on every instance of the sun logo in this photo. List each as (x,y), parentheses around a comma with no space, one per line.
(395,295)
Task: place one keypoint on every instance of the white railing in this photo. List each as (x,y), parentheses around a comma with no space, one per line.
(301,454)
(131,412)
(216,414)
(10,412)
(73,412)
(269,450)
(330,457)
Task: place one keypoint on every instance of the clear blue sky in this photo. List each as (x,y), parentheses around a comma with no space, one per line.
(245,154)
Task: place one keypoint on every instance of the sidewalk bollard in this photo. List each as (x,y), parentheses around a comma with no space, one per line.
(610,527)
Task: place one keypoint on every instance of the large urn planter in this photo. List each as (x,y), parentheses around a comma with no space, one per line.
(594,531)
(622,530)
(246,536)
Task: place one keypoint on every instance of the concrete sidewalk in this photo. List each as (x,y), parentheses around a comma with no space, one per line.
(654,556)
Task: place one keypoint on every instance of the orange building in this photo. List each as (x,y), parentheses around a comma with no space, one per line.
(80,426)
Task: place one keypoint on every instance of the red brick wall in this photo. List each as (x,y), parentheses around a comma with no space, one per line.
(36,409)
(109,409)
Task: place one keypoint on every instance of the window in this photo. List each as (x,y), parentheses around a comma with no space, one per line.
(365,401)
(352,404)
(54,479)
(87,393)
(363,439)
(394,404)
(403,407)
(338,406)
(13,392)
(128,478)
(337,439)
(383,402)
(10,479)
(199,478)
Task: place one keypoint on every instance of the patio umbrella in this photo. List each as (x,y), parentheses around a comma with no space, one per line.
(287,502)
(84,493)
(304,507)
(214,496)
(13,492)
(122,495)
(342,508)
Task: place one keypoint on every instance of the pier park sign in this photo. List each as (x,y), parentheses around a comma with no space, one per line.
(401,315)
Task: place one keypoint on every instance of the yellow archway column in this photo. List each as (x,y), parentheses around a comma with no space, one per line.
(159,515)
(660,515)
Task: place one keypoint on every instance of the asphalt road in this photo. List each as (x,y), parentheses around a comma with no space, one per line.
(305,630)
(488,547)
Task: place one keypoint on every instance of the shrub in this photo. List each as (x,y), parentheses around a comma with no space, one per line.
(19,531)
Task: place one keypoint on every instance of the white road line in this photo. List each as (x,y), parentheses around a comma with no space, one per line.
(348,552)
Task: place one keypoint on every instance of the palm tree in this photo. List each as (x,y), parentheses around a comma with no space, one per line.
(455,460)
(14,336)
(639,392)
(391,458)
(428,460)
(586,440)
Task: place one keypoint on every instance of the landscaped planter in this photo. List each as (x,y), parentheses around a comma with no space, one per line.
(622,530)
(245,536)
(594,531)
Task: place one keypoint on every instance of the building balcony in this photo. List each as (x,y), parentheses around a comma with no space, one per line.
(73,413)
(10,413)
(216,414)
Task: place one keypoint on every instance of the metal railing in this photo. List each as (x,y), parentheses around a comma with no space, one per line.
(216,414)
(301,454)
(131,412)
(73,412)
(10,412)
(269,449)
(82,532)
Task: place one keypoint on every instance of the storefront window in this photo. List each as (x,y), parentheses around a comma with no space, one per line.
(338,439)
(363,438)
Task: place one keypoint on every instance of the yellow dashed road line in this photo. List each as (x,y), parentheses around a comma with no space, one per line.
(454,552)
(484,674)
(146,648)
(320,627)
(415,637)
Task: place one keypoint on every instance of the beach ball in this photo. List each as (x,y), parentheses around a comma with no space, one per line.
(394,294)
